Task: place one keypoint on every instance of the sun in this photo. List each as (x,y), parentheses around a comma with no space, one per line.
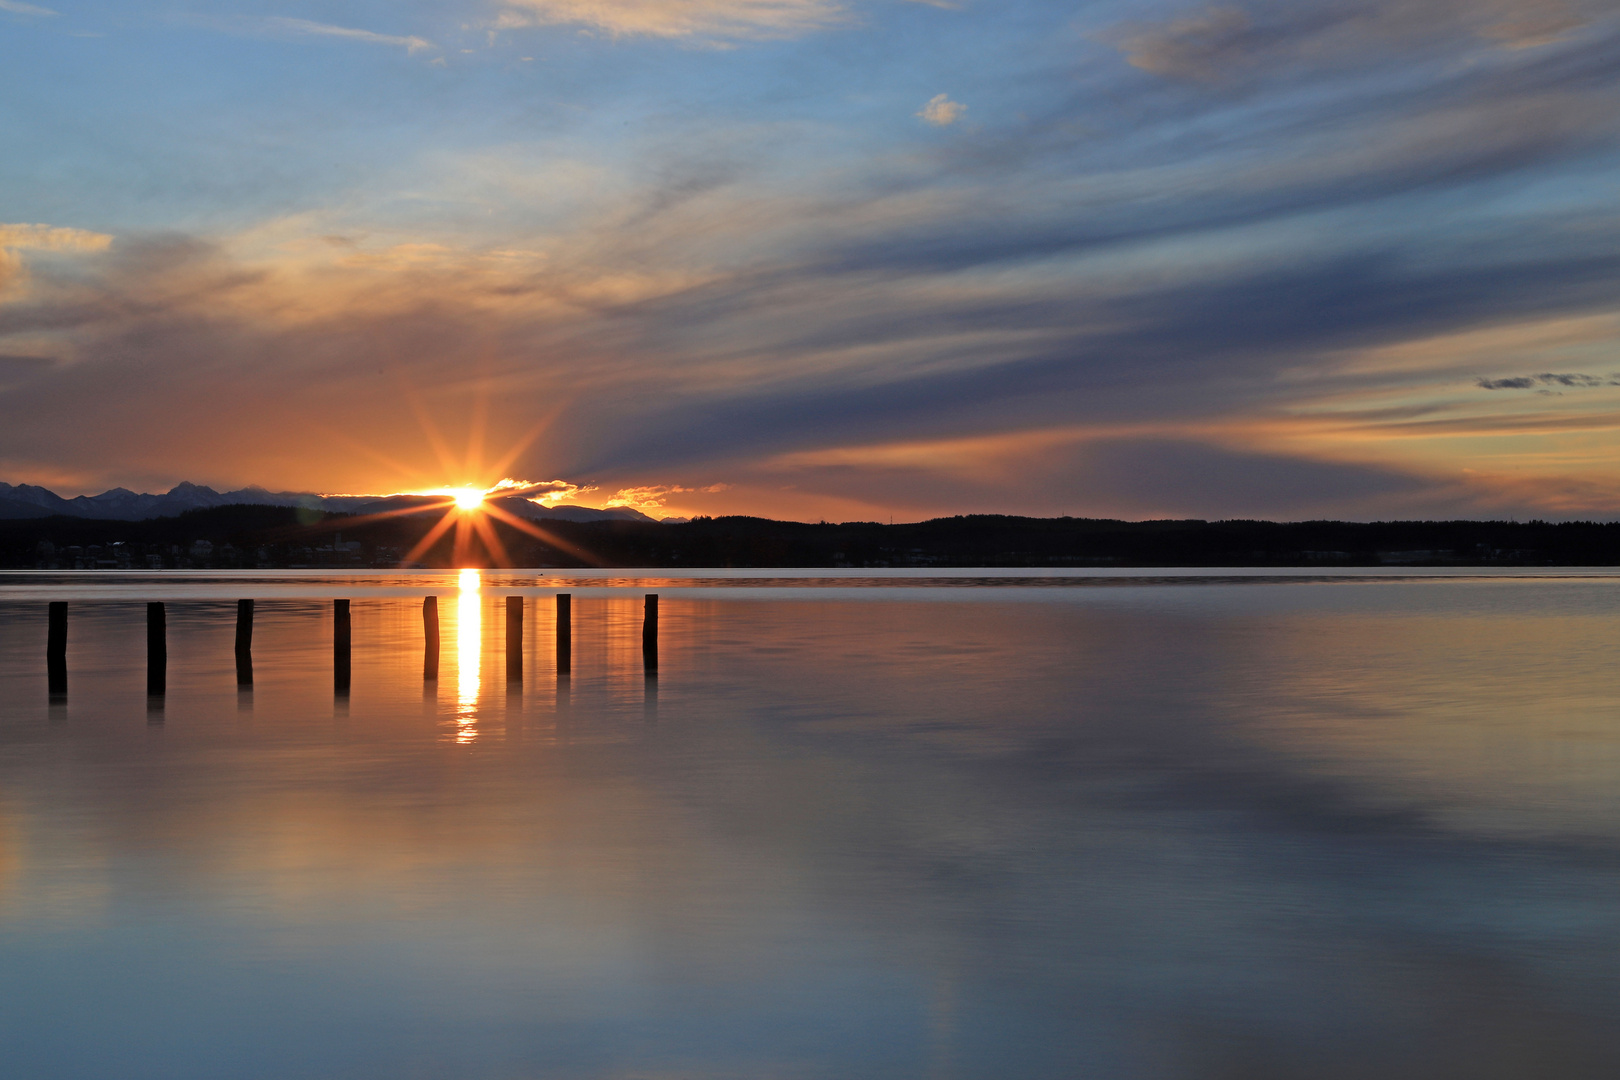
(474,514)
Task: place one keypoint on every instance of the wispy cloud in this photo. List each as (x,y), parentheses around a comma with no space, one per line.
(15,238)
(700,19)
(941,111)
(1242,42)
(1197,46)
(1568,381)
(51,238)
(17,8)
(410,44)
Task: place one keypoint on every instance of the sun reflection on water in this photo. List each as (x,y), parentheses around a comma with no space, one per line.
(469,655)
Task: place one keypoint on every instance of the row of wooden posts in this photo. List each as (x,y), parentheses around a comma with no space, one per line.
(157,650)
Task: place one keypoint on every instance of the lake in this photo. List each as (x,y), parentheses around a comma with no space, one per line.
(956,823)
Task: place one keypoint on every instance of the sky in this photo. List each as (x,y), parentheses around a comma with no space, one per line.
(820,259)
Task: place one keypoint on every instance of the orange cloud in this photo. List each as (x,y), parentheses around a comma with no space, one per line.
(650,499)
(680,19)
(941,111)
(15,238)
(51,238)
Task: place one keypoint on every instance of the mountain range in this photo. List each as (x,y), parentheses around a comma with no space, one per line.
(19,501)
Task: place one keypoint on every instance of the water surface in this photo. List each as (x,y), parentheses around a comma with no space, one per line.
(948,824)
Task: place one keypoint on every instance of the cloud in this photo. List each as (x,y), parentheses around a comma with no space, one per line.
(1197,46)
(545,492)
(1531,382)
(714,19)
(15,238)
(411,45)
(965,361)
(1080,472)
(17,8)
(1207,281)
(1232,42)
(941,111)
(51,238)
(725,369)
(18,369)
(1154,477)
(1530,28)
(651,498)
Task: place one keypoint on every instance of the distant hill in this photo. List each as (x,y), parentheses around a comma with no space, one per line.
(25,501)
(249,535)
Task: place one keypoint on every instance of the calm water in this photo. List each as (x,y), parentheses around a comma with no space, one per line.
(898,825)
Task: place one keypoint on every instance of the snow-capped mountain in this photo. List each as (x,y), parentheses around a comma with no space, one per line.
(121,504)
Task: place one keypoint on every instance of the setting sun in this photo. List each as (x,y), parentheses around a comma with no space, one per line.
(468,499)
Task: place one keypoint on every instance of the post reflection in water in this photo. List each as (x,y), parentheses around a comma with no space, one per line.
(469,655)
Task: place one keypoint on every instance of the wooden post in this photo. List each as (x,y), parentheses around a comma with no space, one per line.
(244,643)
(565,632)
(430,639)
(340,647)
(157,650)
(649,635)
(56,649)
(514,639)
(56,632)
(244,626)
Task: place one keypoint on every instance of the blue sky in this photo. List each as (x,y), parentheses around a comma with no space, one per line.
(820,258)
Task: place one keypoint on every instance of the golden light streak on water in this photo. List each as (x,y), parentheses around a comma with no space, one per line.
(469,655)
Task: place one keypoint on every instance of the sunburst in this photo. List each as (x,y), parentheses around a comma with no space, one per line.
(467,508)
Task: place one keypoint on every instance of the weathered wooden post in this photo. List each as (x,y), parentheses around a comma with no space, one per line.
(340,647)
(565,633)
(56,649)
(157,650)
(514,639)
(244,643)
(649,635)
(430,638)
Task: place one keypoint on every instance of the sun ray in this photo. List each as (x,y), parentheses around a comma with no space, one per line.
(498,470)
(465,509)
(380,515)
(458,540)
(492,543)
(477,430)
(359,446)
(441,527)
(462,553)
(430,431)
(542,534)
